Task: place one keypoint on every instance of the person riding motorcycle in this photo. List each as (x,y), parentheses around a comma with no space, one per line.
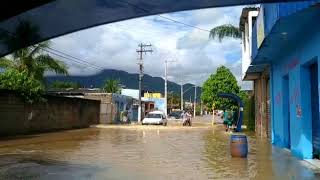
(186,118)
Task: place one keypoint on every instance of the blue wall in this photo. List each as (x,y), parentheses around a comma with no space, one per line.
(123,103)
(272,13)
(289,56)
(294,63)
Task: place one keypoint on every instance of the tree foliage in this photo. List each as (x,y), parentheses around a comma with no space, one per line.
(112,86)
(223,81)
(33,60)
(226,30)
(243,95)
(173,99)
(65,85)
(24,69)
(229,30)
(29,88)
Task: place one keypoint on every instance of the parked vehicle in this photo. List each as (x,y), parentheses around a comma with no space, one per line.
(220,113)
(175,114)
(155,117)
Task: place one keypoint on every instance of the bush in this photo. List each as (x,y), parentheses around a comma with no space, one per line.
(30,89)
(248,113)
(64,85)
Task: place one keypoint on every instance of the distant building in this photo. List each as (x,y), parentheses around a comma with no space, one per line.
(188,105)
(152,95)
(111,104)
(151,100)
(156,98)
(158,103)
(134,93)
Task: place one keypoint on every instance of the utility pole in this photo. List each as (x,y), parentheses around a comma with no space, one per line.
(142,49)
(181,96)
(165,89)
(166,86)
(201,110)
(195,101)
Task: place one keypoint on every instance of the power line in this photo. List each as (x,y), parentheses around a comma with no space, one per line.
(179,22)
(73,57)
(73,60)
(164,17)
(58,53)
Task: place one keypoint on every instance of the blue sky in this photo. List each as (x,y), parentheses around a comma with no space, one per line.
(113,46)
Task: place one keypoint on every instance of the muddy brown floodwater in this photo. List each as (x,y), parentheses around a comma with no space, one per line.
(120,153)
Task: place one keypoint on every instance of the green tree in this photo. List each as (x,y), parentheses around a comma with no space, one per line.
(32,60)
(112,86)
(243,95)
(173,99)
(226,30)
(223,81)
(229,30)
(64,85)
(29,88)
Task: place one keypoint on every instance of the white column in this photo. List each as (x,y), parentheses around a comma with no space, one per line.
(181,94)
(165,88)
(195,101)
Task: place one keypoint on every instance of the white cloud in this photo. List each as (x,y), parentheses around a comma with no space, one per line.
(113,46)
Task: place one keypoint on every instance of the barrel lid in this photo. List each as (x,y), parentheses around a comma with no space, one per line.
(238,136)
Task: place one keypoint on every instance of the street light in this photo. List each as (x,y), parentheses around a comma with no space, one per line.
(165,86)
(182,93)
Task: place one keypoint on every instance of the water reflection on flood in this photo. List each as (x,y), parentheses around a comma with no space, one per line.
(143,154)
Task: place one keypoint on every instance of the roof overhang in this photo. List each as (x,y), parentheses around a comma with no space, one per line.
(287,34)
(244,16)
(254,72)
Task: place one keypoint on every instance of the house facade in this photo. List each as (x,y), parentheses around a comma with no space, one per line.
(284,66)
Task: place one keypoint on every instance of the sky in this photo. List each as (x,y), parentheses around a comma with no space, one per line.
(195,56)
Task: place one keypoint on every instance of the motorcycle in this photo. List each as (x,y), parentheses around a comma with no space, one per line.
(187,122)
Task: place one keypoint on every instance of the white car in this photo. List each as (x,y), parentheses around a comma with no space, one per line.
(220,113)
(155,117)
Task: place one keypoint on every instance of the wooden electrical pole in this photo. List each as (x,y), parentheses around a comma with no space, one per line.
(142,49)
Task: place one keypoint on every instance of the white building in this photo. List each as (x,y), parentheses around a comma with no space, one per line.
(247,20)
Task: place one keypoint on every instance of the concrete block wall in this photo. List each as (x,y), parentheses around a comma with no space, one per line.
(57,113)
(106,107)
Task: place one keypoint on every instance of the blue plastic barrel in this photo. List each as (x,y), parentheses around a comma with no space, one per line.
(238,145)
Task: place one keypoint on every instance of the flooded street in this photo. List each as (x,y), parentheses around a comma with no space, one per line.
(134,153)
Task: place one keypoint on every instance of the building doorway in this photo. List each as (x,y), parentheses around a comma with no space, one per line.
(286,111)
(313,69)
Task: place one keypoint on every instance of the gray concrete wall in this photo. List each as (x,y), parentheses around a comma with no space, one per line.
(57,113)
(107,108)
(111,106)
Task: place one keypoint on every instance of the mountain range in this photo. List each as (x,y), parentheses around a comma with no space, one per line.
(128,80)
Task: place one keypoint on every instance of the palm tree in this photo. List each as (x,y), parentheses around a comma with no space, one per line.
(112,86)
(226,30)
(229,30)
(34,61)
(31,59)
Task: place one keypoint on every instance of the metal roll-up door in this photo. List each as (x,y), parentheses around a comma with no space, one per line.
(268,112)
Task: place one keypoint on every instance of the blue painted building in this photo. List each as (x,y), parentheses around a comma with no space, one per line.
(286,41)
